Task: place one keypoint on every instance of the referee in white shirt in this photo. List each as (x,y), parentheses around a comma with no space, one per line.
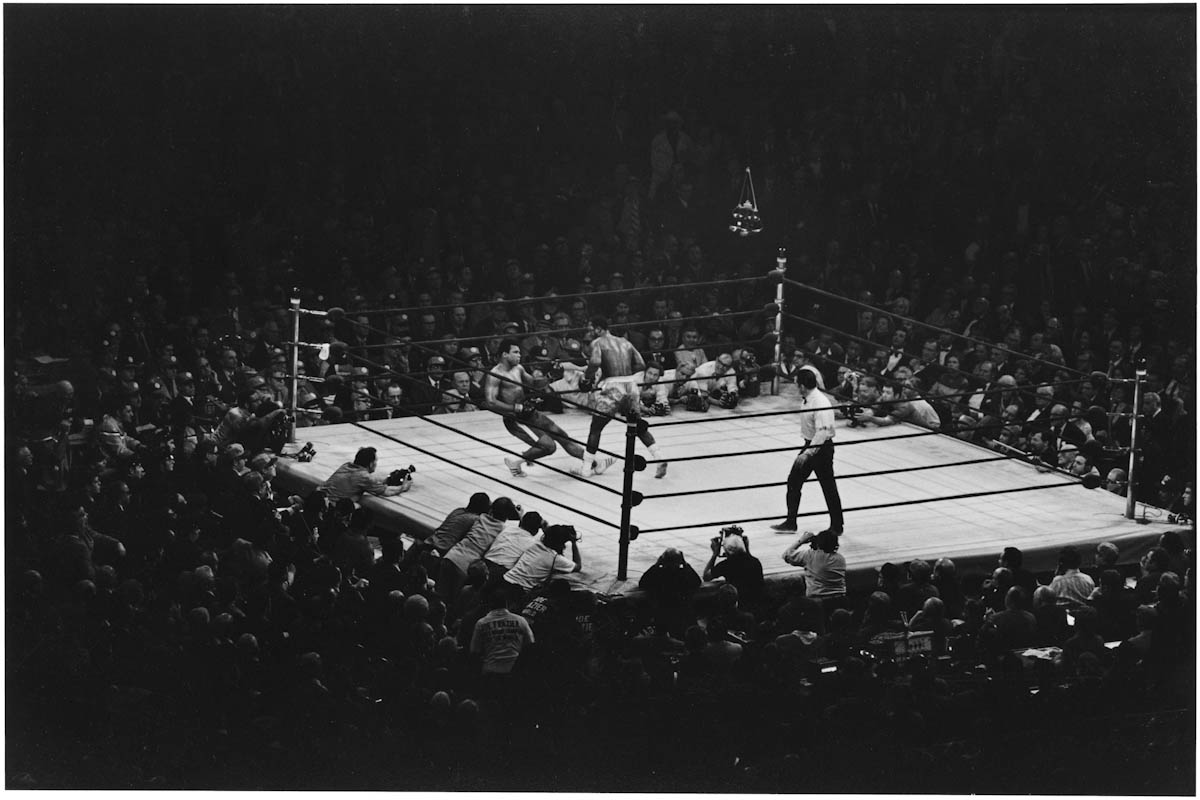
(816,425)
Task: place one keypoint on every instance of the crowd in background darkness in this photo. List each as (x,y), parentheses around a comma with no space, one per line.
(1024,177)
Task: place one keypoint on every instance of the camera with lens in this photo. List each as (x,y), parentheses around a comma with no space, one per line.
(306,453)
(399,476)
(726,532)
(723,397)
(852,413)
(695,401)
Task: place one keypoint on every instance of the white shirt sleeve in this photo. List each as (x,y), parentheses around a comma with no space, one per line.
(824,418)
(663,391)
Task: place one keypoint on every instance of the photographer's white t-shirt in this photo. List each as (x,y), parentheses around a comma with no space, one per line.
(536,565)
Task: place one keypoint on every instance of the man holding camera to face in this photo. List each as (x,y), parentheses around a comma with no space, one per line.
(739,569)
(544,559)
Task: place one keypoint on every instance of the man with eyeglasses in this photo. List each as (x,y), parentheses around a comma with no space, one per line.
(657,349)
(1116,481)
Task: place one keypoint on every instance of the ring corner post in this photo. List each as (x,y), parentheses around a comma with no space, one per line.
(1130,498)
(626,499)
(295,307)
(781,266)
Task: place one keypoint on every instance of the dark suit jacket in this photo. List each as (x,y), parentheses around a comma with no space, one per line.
(423,396)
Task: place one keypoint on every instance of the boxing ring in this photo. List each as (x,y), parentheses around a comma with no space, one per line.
(929,495)
(907,492)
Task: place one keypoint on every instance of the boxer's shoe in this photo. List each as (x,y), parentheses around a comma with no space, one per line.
(603,463)
(661,470)
(515,467)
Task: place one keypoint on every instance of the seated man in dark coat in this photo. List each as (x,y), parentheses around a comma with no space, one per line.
(670,583)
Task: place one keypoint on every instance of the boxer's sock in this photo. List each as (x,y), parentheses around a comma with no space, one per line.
(660,469)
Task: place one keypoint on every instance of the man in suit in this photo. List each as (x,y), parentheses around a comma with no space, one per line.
(183,408)
(425,391)
(689,350)
(656,349)
(897,357)
(1156,432)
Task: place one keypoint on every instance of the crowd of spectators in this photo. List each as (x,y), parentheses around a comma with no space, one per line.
(269,645)
(1015,220)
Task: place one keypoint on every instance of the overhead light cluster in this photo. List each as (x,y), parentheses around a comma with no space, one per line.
(746,219)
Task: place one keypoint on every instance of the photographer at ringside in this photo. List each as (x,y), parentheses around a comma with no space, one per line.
(824,566)
(544,560)
(910,406)
(355,478)
(739,568)
(860,393)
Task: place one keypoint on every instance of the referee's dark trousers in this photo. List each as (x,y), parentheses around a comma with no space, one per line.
(820,462)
